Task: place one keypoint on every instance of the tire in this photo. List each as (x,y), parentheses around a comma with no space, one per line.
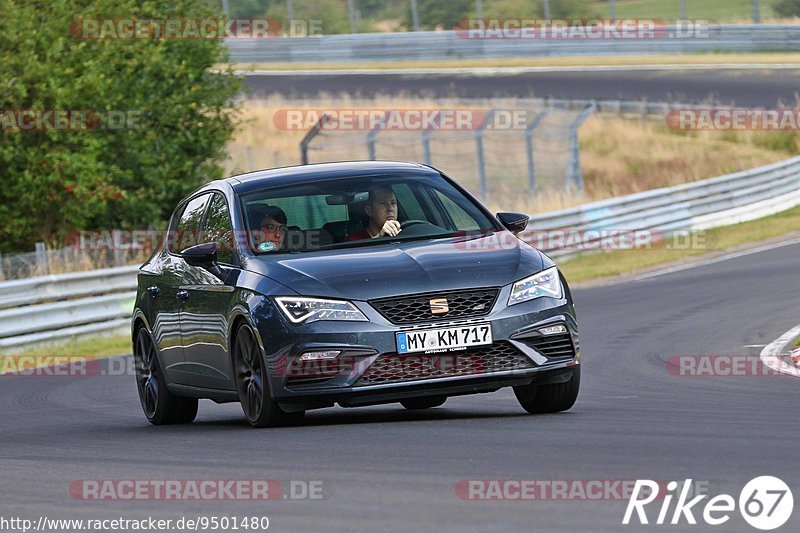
(425,402)
(553,398)
(252,384)
(160,406)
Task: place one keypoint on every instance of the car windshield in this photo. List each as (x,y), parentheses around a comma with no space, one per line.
(357,212)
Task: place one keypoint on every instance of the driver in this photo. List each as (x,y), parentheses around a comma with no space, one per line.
(381,209)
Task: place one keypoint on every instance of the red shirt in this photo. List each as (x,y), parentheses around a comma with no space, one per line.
(363,234)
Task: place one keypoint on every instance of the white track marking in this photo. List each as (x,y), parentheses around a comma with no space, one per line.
(734,255)
(771,355)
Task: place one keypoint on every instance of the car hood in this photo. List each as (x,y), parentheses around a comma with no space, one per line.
(379,271)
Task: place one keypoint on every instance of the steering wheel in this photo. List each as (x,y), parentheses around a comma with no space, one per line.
(407,223)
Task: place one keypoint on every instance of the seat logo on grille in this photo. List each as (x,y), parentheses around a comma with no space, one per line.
(439,306)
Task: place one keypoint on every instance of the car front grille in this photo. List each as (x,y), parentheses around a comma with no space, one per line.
(418,307)
(552,345)
(394,368)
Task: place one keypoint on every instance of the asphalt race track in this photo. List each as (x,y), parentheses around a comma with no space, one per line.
(767,88)
(388,469)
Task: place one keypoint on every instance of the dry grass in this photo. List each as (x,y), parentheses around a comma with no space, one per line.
(754,60)
(619,155)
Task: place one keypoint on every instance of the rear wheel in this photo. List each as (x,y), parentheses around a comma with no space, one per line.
(252,384)
(159,405)
(537,399)
(426,402)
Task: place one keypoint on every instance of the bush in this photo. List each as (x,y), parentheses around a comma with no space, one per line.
(787,8)
(56,181)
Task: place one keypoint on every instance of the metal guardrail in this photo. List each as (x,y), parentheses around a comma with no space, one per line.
(60,287)
(695,206)
(61,306)
(440,45)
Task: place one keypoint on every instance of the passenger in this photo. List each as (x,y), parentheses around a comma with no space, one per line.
(272,229)
(381,210)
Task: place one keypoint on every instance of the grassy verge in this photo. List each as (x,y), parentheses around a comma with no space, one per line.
(592,266)
(755,60)
(89,347)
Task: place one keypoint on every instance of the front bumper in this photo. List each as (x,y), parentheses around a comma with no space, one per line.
(344,380)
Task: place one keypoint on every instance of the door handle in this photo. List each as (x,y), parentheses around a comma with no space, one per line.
(183,295)
(154,291)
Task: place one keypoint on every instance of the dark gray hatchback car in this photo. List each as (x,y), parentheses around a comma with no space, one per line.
(285,291)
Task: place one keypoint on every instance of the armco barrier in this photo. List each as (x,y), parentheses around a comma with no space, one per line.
(60,306)
(692,206)
(442,45)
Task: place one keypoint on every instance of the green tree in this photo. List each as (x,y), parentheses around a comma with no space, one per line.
(56,181)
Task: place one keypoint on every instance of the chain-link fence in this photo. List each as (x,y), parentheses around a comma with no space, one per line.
(505,149)
(44,261)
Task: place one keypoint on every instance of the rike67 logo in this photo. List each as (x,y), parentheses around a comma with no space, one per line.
(765,503)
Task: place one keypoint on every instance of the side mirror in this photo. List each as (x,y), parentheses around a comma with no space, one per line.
(201,255)
(514,222)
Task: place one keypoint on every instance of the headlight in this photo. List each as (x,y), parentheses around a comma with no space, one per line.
(312,309)
(545,283)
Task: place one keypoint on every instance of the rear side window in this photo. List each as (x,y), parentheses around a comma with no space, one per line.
(187,233)
(219,229)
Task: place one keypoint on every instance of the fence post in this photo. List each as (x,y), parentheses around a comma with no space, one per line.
(119,254)
(250,159)
(372,136)
(2,273)
(41,259)
(313,132)
(529,130)
(575,173)
(481,159)
(426,142)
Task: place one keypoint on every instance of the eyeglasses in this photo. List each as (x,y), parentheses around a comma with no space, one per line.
(274,227)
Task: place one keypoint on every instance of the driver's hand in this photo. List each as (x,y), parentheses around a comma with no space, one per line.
(390,228)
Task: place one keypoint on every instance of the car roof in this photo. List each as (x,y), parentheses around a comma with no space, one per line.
(299,174)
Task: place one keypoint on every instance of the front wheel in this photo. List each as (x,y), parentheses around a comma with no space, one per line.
(159,405)
(538,399)
(251,381)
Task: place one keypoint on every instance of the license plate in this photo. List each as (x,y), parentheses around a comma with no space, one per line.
(443,339)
